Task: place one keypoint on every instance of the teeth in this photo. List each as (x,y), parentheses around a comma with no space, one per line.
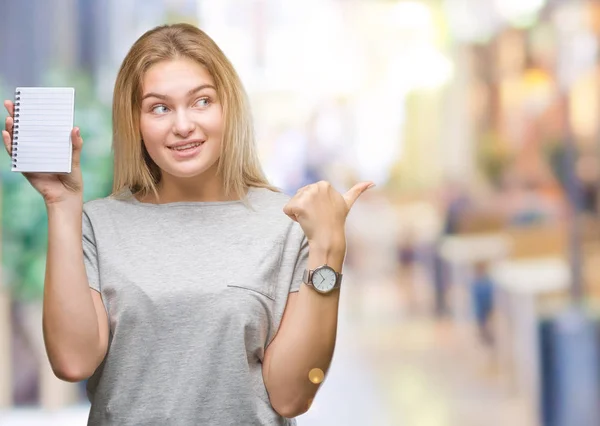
(184,147)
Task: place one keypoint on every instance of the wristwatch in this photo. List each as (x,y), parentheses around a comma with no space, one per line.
(323,279)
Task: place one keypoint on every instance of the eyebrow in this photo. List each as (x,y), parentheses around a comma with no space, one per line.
(191,92)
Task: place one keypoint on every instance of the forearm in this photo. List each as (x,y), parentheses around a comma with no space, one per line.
(306,343)
(69,320)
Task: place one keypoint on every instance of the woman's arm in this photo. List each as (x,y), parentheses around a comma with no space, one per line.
(74,319)
(305,340)
(306,337)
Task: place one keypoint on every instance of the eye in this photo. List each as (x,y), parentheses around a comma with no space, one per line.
(203,102)
(160,109)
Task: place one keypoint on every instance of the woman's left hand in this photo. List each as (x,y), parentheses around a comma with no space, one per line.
(321,211)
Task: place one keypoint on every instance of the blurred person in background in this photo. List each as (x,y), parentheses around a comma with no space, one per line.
(456,203)
(180,296)
(588,172)
(482,299)
(406,253)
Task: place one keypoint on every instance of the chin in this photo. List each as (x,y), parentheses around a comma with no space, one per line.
(186,174)
(189,171)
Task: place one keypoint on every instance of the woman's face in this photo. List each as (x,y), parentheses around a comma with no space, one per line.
(181,120)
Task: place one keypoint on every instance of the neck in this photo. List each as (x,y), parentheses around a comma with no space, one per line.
(173,189)
(190,190)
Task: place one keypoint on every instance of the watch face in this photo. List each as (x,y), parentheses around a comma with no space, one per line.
(323,279)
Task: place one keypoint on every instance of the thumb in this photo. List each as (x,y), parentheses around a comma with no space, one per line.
(352,195)
(77,142)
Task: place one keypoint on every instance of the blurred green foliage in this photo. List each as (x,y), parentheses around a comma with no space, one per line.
(24,219)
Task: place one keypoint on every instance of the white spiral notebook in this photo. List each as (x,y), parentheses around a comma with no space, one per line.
(42,130)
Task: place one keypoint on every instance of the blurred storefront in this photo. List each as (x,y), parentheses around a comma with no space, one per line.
(478,120)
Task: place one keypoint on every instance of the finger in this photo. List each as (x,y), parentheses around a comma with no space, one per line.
(77,142)
(8,124)
(10,107)
(290,210)
(7,141)
(352,195)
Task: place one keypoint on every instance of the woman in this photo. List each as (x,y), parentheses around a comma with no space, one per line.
(179,296)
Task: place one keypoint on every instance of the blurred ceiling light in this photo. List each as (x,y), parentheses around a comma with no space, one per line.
(519,12)
(416,62)
(411,15)
(537,90)
(378,126)
(471,20)
(421,68)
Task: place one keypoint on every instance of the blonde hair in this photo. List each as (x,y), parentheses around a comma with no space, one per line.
(239,166)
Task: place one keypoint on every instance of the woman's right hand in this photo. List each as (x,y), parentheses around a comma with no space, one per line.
(54,187)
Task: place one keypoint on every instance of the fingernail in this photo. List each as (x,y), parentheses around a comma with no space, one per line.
(77,131)
(371,186)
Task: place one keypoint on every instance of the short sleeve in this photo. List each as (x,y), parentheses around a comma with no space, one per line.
(300,266)
(293,263)
(90,254)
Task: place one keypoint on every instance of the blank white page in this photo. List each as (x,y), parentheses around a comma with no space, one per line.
(42,130)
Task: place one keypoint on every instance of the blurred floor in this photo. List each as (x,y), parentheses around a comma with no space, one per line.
(433,374)
(73,416)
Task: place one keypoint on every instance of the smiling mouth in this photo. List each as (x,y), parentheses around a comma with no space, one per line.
(186,147)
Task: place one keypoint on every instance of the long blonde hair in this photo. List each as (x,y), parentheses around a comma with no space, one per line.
(239,166)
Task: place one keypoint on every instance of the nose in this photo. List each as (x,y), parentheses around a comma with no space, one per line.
(183,125)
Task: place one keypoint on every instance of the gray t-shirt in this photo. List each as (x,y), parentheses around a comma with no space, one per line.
(194,291)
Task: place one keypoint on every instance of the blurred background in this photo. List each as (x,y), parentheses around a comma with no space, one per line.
(471,282)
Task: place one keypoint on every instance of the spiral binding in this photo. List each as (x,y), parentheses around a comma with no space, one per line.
(15,141)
